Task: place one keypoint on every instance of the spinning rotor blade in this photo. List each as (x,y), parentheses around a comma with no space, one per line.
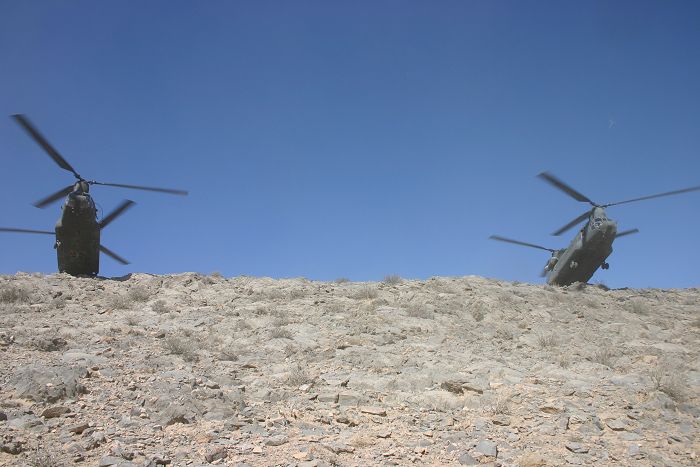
(116,213)
(63,192)
(146,188)
(546,176)
(39,138)
(580,218)
(6,229)
(113,255)
(518,242)
(669,193)
(626,232)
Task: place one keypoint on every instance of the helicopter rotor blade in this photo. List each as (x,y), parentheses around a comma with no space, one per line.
(627,232)
(43,142)
(63,192)
(571,224)
(554,181)
(7,229)
(113,255)
(668,193)
(146,188)
(518,242)
(118,211)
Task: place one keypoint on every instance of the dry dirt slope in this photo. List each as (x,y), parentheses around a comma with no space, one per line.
(195,370)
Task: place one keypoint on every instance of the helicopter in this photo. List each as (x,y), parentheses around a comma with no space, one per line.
(591,246)
(78,231)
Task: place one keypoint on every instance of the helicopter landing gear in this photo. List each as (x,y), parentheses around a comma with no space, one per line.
(605,266)
(573,265)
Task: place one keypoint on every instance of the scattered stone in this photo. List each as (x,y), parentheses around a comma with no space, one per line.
(110,460)
(501,420)
(215,453)
(337,448)
(3,416)
(54,412)
(487,448)
(276,440)
(79,428)
(331,397)
(532,459)
(616,424)
(373,411)
(576,448)
(467,459)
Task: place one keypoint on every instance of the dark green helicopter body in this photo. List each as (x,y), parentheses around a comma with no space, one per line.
(78,231)
(591,246)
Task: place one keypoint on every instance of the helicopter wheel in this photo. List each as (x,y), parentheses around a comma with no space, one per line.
(605,266)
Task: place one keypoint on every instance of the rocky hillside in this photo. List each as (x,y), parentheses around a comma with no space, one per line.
(196,370)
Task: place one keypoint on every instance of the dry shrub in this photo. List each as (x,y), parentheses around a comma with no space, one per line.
(668,379)
(139,293)
(605,356)
(366,293)
(392,279)
(13,294)
(298,375)
(478,310)
(179,345)
(499,405)
(415,310)
(159,307)
(342,280)
(638,306)
(546,341)
(119,302)
(280,333)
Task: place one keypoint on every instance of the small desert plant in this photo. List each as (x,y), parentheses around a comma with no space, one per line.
(280,333)
(132,320)
(366,293)
(295,294)
(605,356)
(217,275)
(638,306)
(159,307)
(414,310)
(342,280)
(13,294)
(500,405)
(42,457)
(392,279)
(564,361)
(505,333)
(546,340)
(478,310)
(228,354)
(298,375)
(668,381)
(139,293)
(119,302)
(178,345)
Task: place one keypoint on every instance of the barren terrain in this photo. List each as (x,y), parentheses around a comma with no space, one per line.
(195,370)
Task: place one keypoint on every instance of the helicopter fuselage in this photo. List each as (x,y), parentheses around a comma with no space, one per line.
(78,236)
(586,253)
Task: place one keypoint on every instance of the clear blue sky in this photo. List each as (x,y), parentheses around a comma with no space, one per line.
(332,139)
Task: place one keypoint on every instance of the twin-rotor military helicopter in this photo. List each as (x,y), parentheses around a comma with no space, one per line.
(592,244)
(77,232)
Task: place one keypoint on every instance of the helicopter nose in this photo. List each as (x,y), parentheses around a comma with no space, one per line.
(609,229)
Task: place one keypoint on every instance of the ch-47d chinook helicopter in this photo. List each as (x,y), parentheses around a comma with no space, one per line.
(78,230)
(592,245)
